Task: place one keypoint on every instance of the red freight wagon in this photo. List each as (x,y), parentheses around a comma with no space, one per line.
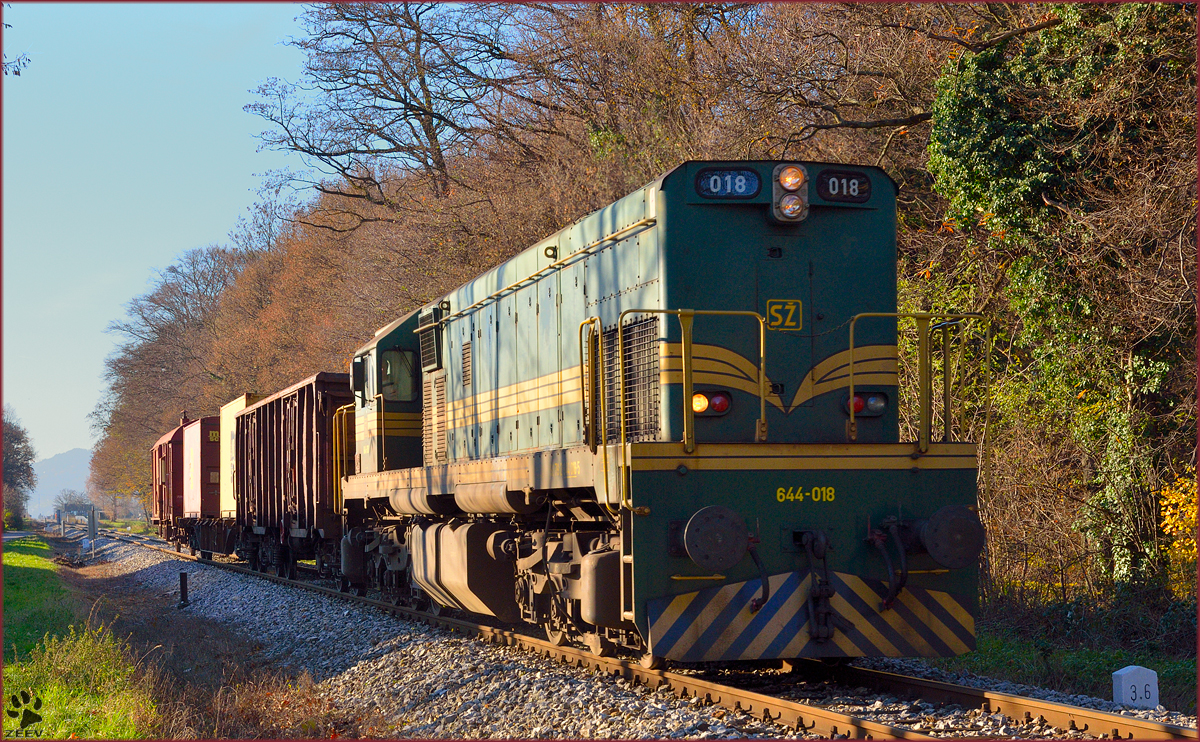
(285,474)
(202,468)
(166,457)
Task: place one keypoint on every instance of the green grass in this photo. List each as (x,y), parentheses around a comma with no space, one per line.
(35,601)
(89,687)
(138,526)
(87,681)
(1079,670)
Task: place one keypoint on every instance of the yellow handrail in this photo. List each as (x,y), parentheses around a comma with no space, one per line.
(925,373)
(382,427)
(338,415)
(593,324)
(689,416)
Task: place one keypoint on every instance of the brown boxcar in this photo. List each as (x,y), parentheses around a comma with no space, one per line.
(285,479)
(166,459)
(201,468)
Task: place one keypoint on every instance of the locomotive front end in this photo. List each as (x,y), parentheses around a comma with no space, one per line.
(770,507)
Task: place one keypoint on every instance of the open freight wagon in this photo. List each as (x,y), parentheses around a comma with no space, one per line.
(285,483)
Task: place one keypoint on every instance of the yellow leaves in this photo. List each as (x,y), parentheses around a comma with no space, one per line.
(1177,508)
(1177,505)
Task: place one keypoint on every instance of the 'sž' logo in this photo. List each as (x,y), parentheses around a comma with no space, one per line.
(783,314)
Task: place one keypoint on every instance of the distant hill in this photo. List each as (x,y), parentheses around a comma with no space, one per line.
(67,470)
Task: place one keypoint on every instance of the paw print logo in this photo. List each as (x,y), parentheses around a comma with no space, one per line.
(20,707)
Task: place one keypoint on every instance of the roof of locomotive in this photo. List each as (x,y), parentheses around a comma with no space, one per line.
(595,226)
(384,332)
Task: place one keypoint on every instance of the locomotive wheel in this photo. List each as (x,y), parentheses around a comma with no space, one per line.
(191,550)
(343,584)
(557,637)
(652,661)
(206,555)
(360,591)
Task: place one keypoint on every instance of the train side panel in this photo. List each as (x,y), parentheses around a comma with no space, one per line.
(201,468)
(167,473)
(286,475)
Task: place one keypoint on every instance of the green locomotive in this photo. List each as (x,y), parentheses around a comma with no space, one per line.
(673,427)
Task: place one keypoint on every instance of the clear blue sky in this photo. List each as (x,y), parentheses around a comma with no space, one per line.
(125,145)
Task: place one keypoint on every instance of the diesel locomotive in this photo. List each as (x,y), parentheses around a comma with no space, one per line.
(672,428)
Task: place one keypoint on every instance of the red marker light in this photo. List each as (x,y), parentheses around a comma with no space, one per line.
(719,402)
(859,404)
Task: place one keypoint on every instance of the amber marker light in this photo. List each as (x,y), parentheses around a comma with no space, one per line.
(791,178)
(699,402)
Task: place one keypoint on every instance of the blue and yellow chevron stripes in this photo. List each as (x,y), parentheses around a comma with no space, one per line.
(716,624)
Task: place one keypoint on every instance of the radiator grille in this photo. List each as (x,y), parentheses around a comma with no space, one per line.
(430,339)
(642,386)
(439,400)
(427,420)
(466,364)
(433,420)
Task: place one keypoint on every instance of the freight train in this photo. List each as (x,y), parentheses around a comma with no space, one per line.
(671,428)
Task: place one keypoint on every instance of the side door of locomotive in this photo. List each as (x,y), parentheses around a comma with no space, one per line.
(549,363)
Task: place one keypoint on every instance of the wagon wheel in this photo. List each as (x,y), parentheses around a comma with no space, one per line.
(282,557)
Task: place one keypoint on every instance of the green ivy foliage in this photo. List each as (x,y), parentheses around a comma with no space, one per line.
(1012,124)
(1030,139)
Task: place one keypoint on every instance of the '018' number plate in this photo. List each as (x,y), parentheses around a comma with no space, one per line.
(844,185)
(713,183)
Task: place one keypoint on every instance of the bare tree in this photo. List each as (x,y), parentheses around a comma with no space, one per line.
(381,98)
(16,64)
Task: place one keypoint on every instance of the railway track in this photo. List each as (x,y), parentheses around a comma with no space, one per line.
(793,714)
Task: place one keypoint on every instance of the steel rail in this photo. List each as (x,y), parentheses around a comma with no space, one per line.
(797,716)
(792,714)
(1019,708)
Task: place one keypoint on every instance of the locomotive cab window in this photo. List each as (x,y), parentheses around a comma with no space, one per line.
(398,375)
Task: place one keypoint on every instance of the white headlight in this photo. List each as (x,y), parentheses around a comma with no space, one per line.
(791,206)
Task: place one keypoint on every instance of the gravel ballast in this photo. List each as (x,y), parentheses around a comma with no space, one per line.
(429,683)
